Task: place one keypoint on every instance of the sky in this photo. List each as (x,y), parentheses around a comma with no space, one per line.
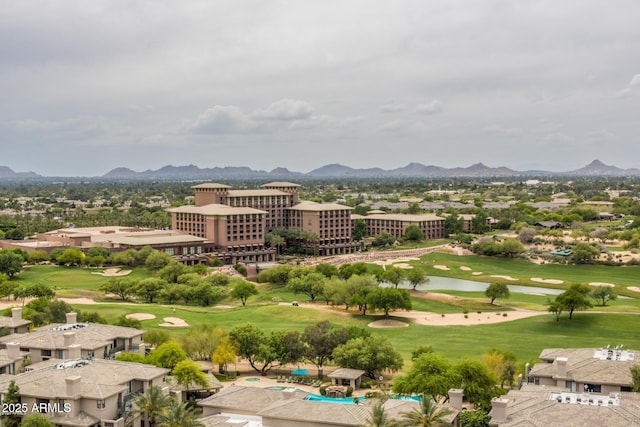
(88,86)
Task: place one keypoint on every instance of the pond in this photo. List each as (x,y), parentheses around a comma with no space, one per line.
(436,283)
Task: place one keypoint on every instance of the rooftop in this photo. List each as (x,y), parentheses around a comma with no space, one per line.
(215,209)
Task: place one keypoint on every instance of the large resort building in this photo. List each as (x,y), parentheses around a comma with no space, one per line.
(236,221)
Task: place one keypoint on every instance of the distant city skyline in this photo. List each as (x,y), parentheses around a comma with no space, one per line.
(91,86)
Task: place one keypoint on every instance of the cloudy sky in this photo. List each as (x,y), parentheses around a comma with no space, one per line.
(87,86)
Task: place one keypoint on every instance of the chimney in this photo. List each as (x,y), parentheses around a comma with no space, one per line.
(142,349)
(72,318)
(527,369)
(498,410)
(13,350)
(74,351)
(16,314)
(69,338)
(455,397)
(74,386)
(561,371)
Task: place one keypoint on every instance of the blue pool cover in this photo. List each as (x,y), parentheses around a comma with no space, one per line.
(301,372)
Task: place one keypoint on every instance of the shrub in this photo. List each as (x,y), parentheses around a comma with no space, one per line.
(349,391)
(323,390)
(241,269)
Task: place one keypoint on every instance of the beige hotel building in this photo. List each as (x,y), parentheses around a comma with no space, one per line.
(236,221)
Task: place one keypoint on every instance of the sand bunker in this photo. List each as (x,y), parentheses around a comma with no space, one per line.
(78,300)
(112,272)
(174,322)
(549,281)
(141,316)
(403,265)
(634,288)
(477,273)
(465,268)
(499,276)
(388,323)
(459,319)
(610,285)
(441,267)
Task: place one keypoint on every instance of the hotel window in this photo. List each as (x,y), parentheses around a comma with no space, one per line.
(100,404)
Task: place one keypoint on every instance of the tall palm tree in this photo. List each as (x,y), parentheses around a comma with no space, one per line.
(151,404)
(379,418)
(427,415)
(179,415)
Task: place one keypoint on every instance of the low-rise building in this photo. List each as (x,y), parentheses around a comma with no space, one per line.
(432,226)
(79,393)
(74,340)
(603,370)
(540,405)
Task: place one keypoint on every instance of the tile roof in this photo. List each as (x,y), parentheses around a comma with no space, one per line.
(99,379)
(531,406)
(318,207)
(215,209)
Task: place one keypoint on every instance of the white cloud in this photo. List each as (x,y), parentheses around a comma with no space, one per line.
(433,107)
(600,135)
(624,93)
(635,80)
(502,131)
(558,138)
(392,107)
(221,119)
(286,109)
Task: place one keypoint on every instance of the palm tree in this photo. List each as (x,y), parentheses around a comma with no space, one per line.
(379,417)
(427,415)
(179,415)
(151,404)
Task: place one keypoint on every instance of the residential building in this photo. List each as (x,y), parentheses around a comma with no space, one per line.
(540,405)
(73,340)
(15,324)
(604,370)
(432,226)
(79,393)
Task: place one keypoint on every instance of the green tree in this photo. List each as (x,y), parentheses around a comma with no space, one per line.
(393,275)
(359,230)
(38,256)
(383,239)
(431,374)
(179,415)
(428,414)
(370,354)
(512,247)
(416,277)
(311,284)
(148,289)
(555,307)
(167,355)
(478,382)
(254,346)
(201,341)
(453,224)
(10,263)
(473,419)
(321,340)
(413,233)
(575,298)
(156,337)
(479,222)
(584,253)
(11,397)
(387,299)
(124,288)
(379,417)
(71,256)
(244,290)
(150,405)
(36,419)
(157,260)
(602,294)
(188,373)
(635,378)
(497,290)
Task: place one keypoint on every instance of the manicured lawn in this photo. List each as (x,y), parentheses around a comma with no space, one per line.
(70,281)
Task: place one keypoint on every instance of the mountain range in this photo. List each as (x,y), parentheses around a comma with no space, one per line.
(412,170)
